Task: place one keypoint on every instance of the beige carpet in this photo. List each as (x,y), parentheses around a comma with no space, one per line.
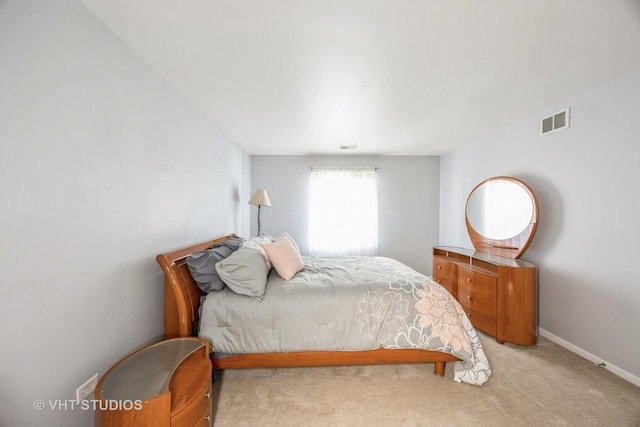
(544,385)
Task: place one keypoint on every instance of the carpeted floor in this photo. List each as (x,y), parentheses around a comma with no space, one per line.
(544,385)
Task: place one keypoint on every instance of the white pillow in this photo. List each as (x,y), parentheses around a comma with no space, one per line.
(285,256)
(256,242)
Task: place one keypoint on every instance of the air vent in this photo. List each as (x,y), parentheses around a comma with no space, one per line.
(556,122)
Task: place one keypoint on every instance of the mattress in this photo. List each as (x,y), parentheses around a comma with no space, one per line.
(346,304)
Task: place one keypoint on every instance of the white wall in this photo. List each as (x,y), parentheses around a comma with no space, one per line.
(407,201)
(103,165)
(586,179)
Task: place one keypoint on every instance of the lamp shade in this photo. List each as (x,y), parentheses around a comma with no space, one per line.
(260,198)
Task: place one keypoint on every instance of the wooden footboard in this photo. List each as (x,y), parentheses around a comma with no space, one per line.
(182,300)
(335,358)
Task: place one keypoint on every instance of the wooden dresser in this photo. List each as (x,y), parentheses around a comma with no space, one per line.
(166,384)
(499,294)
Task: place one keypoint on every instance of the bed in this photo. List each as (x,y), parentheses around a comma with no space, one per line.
(400,317)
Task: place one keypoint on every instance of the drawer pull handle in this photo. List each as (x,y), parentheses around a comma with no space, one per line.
(439,267)
(469,315)
(207,395)
(207,418)
(469,279)
(469,297)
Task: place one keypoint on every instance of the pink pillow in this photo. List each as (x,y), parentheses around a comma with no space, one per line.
(284,256)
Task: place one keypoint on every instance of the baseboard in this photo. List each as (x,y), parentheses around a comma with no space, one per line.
(590,357)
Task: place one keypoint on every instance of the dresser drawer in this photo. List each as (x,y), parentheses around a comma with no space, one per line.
(469,296)
(485,283)
(449,284)
(477,294)
(484,321)
(194,413)
(444,268)
(205,419)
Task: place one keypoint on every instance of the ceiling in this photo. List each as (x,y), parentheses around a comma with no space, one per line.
(401,77)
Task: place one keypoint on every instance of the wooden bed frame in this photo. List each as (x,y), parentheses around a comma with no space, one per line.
(182,299)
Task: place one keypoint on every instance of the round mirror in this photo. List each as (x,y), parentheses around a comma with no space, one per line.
(501,216)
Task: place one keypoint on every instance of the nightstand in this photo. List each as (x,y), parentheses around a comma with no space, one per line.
(166,384)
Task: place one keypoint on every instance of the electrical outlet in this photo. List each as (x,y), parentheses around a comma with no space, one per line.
(87,388)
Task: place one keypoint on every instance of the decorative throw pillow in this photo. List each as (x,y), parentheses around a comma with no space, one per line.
(245,272)
(284,256)
(293,242)
(202,264)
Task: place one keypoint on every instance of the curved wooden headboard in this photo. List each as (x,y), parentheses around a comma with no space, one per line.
(181,294)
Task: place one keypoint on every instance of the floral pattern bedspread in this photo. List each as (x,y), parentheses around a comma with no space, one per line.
(347,303)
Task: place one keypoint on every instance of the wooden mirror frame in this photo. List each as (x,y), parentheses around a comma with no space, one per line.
(512,247)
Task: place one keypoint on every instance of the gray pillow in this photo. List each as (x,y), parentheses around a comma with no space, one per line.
(245,272)
(202,266)
(234,243)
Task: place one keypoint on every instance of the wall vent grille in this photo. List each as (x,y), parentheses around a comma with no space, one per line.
(554,122)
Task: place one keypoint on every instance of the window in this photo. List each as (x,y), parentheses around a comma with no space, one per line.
(343,212)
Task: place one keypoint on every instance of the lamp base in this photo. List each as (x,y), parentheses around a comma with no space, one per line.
(258,220)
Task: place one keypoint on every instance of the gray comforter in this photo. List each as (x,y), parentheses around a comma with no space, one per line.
(346,303)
